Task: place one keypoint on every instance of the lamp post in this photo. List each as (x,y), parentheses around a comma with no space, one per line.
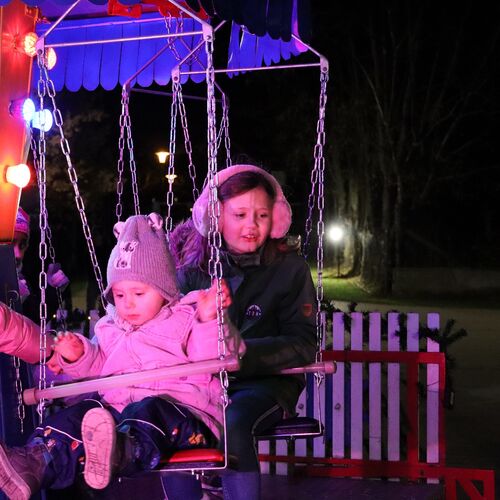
(162,156)
(336,234)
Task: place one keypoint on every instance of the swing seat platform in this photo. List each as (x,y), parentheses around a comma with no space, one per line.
(203,458)
(196,459)
(290,428)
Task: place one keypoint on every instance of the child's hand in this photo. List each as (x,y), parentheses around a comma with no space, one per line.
(207,306)
(69,346)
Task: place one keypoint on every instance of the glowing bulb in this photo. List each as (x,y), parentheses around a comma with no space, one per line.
(171,178)
(162,156)
(22,108)
(28,44)
(19,175)
(336,233)
(51,58)
(43,120)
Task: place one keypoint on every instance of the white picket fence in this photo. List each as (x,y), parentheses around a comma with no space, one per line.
(361,404)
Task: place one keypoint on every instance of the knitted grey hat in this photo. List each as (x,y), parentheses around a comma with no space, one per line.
(142,254)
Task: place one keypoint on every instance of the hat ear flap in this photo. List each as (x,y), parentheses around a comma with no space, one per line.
(155,221)
(282,219)
(118,228)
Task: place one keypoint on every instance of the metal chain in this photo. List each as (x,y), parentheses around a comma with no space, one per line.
(121,148)
(171,156)
(214,235)
(180,104)
(52,252)
(319,165)
(225,126)
(130,146)
(74,182)
(187,142)
(310,209)
(21,411)
(179,28)
(42,248)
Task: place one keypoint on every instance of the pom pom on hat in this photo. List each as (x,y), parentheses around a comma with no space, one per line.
(282,213)
(22,222)
(142,254)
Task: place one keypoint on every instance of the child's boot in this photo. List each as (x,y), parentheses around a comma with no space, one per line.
(106,451)
(22,470)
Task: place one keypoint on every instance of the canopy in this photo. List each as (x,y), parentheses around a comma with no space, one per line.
(261,34)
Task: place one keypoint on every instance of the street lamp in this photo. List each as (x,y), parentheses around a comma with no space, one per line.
(171,178)
(336,234)
(162,156)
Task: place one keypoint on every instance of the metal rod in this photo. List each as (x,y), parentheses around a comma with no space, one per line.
(111,23)
(326,367)
(126,39)
(231,364)
(145,65)
(169,94)
(61,18)
(314,51)
(33,395)
(195,49)
(265,68)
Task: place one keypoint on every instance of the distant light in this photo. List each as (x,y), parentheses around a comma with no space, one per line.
(28,44)
(43,120)
(162,156)
(51,58)
(171,178)
(335,233)
(22,109)
(19,175)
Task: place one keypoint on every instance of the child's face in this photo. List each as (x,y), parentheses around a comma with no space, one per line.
(136,302)
(247,220)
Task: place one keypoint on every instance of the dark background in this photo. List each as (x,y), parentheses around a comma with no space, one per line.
(412,113)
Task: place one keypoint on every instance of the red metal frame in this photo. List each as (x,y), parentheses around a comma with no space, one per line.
(410,468)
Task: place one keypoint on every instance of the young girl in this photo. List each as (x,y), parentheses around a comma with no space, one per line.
(147,326)
(273,306)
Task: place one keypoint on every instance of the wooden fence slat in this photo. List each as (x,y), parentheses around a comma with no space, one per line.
(357,388)
(264,449)
(393,396)
(412,345)
(432,421)
(375,395)
(338,381)
(282,449)
(319,448)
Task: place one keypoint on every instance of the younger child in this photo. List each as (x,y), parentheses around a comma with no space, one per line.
(147,326)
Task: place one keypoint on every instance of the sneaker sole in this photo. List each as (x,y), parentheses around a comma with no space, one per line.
(99,440)
(11,483)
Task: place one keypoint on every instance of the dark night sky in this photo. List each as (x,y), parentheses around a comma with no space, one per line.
(273,119)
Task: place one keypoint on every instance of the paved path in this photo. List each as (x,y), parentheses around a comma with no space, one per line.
(473,425)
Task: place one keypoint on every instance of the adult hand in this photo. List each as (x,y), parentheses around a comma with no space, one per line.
(69,346)
(24,290)
(56,277)
(207,305)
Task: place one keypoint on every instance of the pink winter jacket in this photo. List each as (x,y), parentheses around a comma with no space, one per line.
(174,336)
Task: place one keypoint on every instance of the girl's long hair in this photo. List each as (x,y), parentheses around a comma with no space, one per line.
(189,248)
